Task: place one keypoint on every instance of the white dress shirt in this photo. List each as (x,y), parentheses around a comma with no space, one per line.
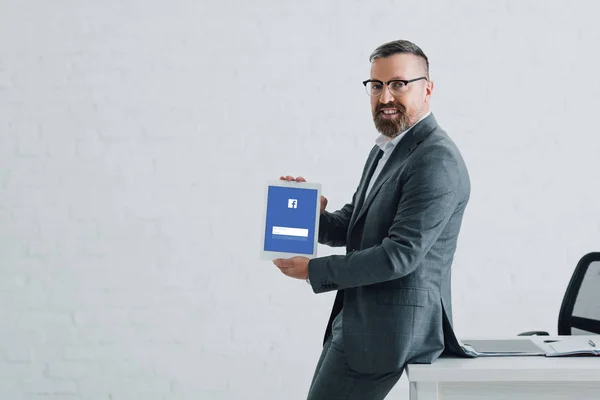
(387,145)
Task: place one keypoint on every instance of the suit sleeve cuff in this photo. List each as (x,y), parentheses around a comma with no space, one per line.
(317,276)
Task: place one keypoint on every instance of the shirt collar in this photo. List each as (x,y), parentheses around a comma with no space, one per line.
(385,142)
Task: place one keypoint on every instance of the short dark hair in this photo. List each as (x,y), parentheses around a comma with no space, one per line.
(400,47)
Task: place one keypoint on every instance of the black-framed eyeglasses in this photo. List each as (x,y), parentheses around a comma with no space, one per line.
(375,87)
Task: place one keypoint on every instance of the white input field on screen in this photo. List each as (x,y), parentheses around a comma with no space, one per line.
(285,231)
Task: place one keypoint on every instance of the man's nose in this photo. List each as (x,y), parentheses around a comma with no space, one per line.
(386,95)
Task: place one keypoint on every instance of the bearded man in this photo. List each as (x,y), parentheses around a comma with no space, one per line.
(393,304)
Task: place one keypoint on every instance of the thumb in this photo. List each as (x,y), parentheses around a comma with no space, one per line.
(323,203)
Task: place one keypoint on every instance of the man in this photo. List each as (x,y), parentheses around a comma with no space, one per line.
(393,303)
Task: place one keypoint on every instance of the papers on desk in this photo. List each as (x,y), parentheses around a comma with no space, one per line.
(502,348)
(559,347)
(573,346)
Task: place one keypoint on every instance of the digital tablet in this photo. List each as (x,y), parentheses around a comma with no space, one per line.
(291,219)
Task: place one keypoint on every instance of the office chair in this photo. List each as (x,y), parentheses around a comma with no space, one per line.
(580,309)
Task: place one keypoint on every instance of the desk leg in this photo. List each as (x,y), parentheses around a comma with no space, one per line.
(423,391)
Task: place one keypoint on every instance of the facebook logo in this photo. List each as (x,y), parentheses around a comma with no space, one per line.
(292,203)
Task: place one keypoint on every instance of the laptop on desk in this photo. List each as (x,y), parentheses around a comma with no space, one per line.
(502,347)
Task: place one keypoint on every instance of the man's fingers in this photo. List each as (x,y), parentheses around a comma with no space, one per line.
(291,178)
(284,266)
(282,263)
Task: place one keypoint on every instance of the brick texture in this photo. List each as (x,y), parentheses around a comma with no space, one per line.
(136,136)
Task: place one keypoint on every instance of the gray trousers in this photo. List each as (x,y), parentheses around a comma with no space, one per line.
(335,380)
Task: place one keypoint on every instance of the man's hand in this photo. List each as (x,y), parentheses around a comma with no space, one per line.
(301,179)
(295,267)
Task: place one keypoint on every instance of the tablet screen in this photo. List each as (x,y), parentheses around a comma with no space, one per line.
(290,220)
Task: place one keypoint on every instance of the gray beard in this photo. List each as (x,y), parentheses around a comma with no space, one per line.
(392,127)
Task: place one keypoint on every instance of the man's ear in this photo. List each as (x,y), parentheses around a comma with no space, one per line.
(428,91)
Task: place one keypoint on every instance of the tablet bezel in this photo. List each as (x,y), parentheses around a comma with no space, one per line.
(272,255)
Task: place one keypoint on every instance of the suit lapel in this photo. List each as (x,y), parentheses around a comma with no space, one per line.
(372,162)
(402,150)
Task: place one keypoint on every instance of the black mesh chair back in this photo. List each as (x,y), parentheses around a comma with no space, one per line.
(580,309)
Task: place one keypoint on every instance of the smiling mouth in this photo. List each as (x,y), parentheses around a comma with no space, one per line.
(389,112)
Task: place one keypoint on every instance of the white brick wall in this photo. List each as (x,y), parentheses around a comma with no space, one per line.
(135,137)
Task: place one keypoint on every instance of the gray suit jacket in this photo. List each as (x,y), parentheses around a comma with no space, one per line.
(394,281)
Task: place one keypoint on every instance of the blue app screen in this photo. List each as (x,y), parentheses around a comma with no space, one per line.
(290,224)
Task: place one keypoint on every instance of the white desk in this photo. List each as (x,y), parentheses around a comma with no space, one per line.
(514,378)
